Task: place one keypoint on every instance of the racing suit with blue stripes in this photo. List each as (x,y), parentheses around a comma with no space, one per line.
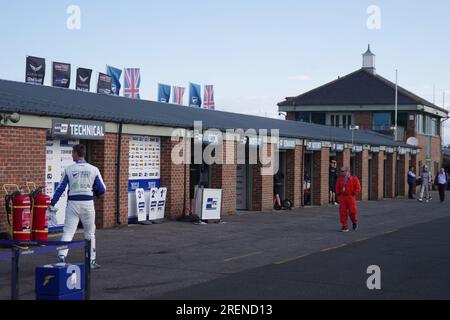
(85,183)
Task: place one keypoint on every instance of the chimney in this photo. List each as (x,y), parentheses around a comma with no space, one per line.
(369,61)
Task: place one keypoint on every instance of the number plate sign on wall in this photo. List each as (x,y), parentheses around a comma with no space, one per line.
(314,146)
(357,149)
(287,144)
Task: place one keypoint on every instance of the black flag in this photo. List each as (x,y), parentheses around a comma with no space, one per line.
(83,82)
(35,70)
(61,75)
(104,85)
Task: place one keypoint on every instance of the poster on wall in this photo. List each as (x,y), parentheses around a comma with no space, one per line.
(144,168)
(58,157)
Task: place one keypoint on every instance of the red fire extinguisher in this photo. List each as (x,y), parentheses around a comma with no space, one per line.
(18,205)
(40,202)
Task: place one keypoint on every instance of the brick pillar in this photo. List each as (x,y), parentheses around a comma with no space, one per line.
(262,191)
(320,188)
(104,156)
(173,178)
(343,158)
(22,158)
(223,176)
(403,168)
(390,174)
(362,172)
(378,176)
(414,162)
(293,176)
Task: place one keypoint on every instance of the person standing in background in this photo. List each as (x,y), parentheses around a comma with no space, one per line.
(441,181)
(332,179)
(412,179)
(426,181)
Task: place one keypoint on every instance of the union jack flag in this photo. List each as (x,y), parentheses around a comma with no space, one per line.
(209,98)
(132,83)
(178,93)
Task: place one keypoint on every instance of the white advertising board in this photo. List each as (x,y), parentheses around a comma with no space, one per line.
(141,205)
(144,168)
(211,204)
(58,157)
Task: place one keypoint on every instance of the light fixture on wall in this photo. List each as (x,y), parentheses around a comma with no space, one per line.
(353,128)
(13,118)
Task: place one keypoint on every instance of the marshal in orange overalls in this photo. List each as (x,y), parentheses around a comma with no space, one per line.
(347,193)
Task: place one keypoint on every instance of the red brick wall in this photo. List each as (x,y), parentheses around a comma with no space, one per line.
(104,156)
(364,120)
(378,176)
(403,168)
(22,159)
(435,151)
(321,164)
(172,177)
(343,158)
(262,193)
(362,172)
(411,129)
(293,175)
(223,176)
(390,174)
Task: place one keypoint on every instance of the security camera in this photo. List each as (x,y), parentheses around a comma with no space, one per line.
(14,118)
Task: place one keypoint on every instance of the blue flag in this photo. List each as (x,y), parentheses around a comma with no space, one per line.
(195,99)
(164,93)
(115,74)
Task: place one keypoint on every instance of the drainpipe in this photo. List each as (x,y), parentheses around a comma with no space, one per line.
(302,176)
(119,151)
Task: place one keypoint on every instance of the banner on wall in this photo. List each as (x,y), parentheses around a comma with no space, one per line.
(35,70)
(61,75)
(104,85)
(164,93)
(195,100)
(83,82)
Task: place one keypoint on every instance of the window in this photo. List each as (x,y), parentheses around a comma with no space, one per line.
(419,123)
(382,121)
(340,120)
(427,125)
(434,127)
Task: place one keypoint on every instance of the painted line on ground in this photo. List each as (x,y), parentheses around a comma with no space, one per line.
(243,256)
(389,232)
(291,259)
(334,248)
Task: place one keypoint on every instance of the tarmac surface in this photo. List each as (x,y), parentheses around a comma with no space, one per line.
(270,256)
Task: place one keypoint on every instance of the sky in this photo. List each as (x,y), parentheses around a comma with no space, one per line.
(254,52)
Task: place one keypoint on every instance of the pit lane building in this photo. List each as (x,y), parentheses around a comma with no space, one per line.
(130,142)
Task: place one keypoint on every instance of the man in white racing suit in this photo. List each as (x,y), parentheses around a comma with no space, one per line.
(85,183)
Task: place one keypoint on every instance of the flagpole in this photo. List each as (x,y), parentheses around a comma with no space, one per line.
(396,105)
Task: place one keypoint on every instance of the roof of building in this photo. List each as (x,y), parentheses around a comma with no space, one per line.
(446,152)
(361,87)
(65,103)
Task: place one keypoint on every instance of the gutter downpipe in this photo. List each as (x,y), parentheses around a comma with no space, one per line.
(302,177)
(118,167)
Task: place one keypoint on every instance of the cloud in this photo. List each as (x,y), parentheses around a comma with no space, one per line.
(302,77)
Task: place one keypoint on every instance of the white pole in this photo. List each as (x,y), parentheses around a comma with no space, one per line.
(396,105)
(443,102)
(434,93)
